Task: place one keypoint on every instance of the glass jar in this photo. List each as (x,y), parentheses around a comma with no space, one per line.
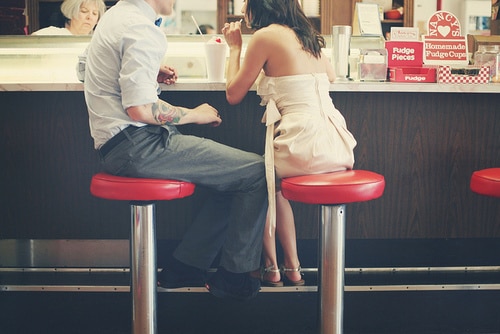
(486,55)
(496,78)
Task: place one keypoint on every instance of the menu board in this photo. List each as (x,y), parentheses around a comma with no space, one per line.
(366,20)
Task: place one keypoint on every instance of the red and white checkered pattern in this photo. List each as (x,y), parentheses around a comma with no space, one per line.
(445,76)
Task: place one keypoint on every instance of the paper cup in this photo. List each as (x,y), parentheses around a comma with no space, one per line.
(215,55)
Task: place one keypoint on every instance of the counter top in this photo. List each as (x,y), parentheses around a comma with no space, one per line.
(48,63)
(187,84)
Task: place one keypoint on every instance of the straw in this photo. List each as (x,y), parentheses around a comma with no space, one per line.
(197,26)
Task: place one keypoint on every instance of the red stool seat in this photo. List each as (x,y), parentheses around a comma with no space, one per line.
(138,189)
(334,188)
(486,182)
(142,194)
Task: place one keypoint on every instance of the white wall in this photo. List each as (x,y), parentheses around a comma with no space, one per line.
(204,11)
(422,10)
(462,9)
(475,9)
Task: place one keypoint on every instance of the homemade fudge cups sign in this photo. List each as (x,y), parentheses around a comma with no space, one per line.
(444,44)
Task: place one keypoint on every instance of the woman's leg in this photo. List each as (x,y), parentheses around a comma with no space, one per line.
(285,228)
(269,254)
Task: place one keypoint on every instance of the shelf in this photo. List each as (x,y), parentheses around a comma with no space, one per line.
(392,21)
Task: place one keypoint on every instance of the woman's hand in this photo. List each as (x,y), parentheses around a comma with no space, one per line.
(232,34)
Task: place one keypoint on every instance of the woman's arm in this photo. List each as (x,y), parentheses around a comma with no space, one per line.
(239,79)
(330,71)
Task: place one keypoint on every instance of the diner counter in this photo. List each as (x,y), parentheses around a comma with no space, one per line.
(426,139)
(426,144)
(201,84)
(48,63)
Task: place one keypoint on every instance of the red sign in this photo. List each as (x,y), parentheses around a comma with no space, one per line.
(443,25)
(444,44)
(404,53)
(444,50)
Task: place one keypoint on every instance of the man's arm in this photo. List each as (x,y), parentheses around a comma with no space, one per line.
(161,112)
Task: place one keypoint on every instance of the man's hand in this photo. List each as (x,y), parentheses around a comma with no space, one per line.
(205,114)
(167,75)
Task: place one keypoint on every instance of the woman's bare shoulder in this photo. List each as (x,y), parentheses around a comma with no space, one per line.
(274,34)
(274,29)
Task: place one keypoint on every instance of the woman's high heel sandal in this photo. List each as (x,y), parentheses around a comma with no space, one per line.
(264,271)
(288,281)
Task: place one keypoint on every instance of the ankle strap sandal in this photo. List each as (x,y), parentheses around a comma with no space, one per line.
(270,269)
(288,281)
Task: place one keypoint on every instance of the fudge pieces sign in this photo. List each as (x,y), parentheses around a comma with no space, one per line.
(444,43)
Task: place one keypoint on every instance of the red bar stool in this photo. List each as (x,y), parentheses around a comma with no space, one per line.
(332,191)
(142,194)
(486,182)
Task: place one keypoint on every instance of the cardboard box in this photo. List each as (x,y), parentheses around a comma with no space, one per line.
(412,74)
(404,53)
(464,75)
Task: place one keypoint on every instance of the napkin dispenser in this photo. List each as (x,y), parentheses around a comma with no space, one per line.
(373,65)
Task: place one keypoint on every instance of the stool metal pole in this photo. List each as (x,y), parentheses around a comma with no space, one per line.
(143,268)
(331,269)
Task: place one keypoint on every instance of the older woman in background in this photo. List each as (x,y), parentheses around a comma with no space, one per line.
(81,18)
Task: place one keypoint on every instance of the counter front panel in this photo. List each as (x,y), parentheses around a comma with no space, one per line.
(425,144)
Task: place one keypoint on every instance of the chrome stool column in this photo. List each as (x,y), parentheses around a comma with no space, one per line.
(142,194)
(332,191)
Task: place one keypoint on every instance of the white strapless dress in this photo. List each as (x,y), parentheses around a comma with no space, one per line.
(306,134)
